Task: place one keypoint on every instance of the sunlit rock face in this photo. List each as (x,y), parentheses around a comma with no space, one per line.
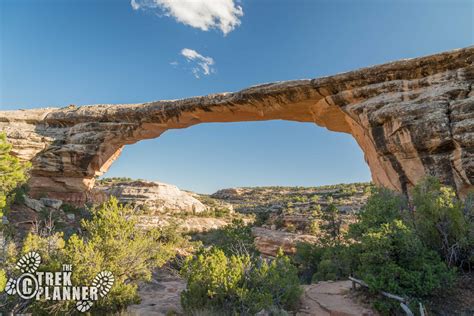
(154,197)
(411,118)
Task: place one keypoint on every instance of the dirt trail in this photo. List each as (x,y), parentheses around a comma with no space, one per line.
(331,299)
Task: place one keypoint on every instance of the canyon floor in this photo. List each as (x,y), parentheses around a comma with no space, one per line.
(280,218)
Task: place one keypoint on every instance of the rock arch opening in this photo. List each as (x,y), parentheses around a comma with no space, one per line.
(209,157)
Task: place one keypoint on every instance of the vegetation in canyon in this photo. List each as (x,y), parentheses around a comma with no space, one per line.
(111,241)
(13,173)
(409,248)
(239,284)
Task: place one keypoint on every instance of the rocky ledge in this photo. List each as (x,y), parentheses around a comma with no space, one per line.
(410,117)
(153,197)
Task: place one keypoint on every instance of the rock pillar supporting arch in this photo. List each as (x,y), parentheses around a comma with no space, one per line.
(411,118)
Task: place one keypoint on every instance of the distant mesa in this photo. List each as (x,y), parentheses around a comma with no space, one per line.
(411,118)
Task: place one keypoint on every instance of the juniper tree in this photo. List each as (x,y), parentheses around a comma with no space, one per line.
(12,171)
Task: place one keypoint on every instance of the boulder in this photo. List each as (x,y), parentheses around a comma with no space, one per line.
(34,204)
(53,203)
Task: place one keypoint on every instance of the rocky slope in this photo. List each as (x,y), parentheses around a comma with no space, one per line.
(411,118)
(161,204)
(286,216)
(349,198)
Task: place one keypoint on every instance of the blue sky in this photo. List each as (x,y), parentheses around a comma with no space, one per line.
(55,53)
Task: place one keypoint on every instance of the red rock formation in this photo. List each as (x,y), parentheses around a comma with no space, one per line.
(411,118)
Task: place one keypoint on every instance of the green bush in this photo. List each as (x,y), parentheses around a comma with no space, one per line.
(393,259)
(336,263)
(397,244)
(12,172)
(444,222)
(233,239)
(306,259)
(3,280)
(331,224)
(382,206)
(112,242)
(399,247)
(238,284)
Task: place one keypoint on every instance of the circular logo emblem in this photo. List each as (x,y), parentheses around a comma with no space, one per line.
(27,286)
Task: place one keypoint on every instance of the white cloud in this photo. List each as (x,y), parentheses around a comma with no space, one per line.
(135,5)
(201,64)
(201,14)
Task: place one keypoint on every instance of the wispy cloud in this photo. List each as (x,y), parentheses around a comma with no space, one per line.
(202,65)
(202,14)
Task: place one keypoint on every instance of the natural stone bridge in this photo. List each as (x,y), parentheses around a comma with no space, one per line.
(411,118)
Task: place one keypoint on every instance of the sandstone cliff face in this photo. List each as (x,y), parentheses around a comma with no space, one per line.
(411,118)
(154,197)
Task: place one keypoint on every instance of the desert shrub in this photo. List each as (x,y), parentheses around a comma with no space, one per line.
(69,208)
(215,212)
(279,278)
(3,280)
(238,284)
(12,173)
(396,246)
(331,224)
(221,212)
(382,207)
(278,222)
(330,258)
(313,227)
(393,252)
(233,239)
(444,222)
(112,242)
(19,193)
(306,259)
(261,218)
(320,262)
(336,263)
(393,259)
(291,228)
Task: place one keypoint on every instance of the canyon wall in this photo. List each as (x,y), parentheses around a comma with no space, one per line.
(410,117)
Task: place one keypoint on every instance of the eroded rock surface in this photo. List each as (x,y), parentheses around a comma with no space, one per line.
(411,118)
(160,296)
(154,197)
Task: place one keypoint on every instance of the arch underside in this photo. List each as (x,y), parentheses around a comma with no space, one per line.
(411,118)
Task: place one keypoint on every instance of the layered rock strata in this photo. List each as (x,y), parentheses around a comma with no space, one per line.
(154,197)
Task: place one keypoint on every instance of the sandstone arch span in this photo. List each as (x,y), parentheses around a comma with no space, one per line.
(411,118)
